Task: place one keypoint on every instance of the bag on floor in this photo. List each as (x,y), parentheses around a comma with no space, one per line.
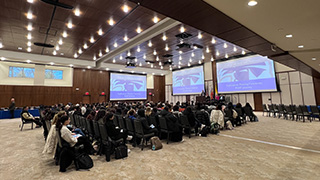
(215,128)
(83,161)
(121,151)
(229,125)
(155,143)
(256,119)
(204,131)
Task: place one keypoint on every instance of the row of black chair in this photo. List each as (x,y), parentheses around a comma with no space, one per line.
(292,111)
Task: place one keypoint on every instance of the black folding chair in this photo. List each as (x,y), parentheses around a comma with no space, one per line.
(306,113)
(315,112)
(186,125)
(89,129)
(265,110)
(289,112)
(275,110)
(293,109)
(271,110)
(164,128)
(281,110)
(131,130)
(140,134)
(299,113)
(72,119)
(97,135)
(121,122)
(25,121)
(77,121)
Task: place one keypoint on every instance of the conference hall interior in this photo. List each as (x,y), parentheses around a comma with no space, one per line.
(149,89)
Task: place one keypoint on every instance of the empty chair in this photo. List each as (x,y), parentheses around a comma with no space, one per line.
(72,119)
(89,129)
(281,111)
(306,113)
(97,135)
(164,128)
(131,130)
(77,121)
(299,113)
(120,121)
(140,134)
(271,110)
(275,110)
(293,108)
(265,110)
(315,112)
(289,112)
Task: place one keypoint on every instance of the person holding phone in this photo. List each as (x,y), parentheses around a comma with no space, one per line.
(147,128)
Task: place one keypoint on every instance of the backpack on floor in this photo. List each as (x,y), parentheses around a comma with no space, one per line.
(83,161)
(121,151)
(215,128)
(204,131)
(155,143)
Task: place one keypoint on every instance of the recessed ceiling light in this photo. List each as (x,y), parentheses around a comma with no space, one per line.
(235,49)
(125,38)
(154,52)
(252,3)
(120,57)
(100,53)
(182,29)
(70,25)
(94,57)
(166,48)
(195,47)
(243,52)
(107,49)
(128,54)
(114,60)
(121,70)
(29,36)
(92,39)
(212,58)
(29,43)
(77,12)
(52,63)
(213,41)
(29,15)
(30,1)
(29,49)
(75,55)
(207,50)
(164,37)
(139,30)
(313,59)
(225,45)
(64,34)
(115,44)
(80,51)
(1,45)
(89,67)
(20,48)
(289,36)
(100,32)
(60,41)
(180,52)
(125,8)
(111,21)
(192,54)
(29,27)
(143,72)
(300,46)
(54,52)
(28,61)
(61,54)
(138,49)
(199,35)
(152,73)
(179,66)
(85,46)
(155,19)
(3,58)
(107,69)
(71,65)
(150,43)
(57,47)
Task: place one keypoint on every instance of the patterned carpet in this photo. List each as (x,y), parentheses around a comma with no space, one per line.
(212,157)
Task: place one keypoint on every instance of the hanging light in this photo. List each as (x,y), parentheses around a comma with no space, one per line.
(166,48)
(213,41)
(199,35)
(128,54)
(138,49)
(150,43)
(75,55)
(100,53)
(115,44)
(155,19)
(139,30)
(100,32)
(64,34)
(125,38)
(107,49)
(225,45)
(154,52)
(92,39)
(182,29)
(207,50)
(80,51)
(111,21)
(192,54)
(164,37)
(60,41)
(85,46)
(234,48)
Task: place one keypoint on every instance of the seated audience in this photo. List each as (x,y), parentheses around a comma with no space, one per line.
(145,125)
(173,124)
(192,119)
(25,115)
(113,132)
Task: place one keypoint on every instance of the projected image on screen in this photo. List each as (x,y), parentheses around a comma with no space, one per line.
(127,87)
(188,81)
(249,74)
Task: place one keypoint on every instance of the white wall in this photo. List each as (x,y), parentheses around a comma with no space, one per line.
(39,75)
(150,80)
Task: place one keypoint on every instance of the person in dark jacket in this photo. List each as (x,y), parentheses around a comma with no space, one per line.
(25,115)
(113,132)
(12,107)
(192,119)
(173,124)
(145,125)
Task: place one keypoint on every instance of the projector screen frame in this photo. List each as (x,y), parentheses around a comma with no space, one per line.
(248,92)
(128,100)
(184,94)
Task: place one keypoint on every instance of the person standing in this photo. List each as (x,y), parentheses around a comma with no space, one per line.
(12,107)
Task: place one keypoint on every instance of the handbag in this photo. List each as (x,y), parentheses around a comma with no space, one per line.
(83,161)
(121,151)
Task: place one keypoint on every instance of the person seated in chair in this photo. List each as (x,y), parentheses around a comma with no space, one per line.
(192,119)
(113,132)
(29,118)
(147,129)
(68,143)
(173,124)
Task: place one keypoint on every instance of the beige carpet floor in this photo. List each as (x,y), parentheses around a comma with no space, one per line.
(213,157)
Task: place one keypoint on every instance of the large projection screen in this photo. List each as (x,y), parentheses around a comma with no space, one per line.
(188,81)
(128,87)
(249,74)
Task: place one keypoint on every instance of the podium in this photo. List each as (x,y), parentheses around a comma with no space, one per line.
(201,99)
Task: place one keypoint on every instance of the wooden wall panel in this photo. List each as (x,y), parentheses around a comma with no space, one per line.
(159,88)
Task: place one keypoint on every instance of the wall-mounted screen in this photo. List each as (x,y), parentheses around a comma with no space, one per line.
(21,72)
(249,74)
(128,87)
(188,81)
(53,74)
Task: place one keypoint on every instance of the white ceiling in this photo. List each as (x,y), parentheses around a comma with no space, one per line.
(274,19)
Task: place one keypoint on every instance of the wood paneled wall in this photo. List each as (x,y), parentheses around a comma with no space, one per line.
(91,81)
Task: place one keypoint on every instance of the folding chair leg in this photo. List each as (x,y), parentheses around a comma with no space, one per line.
(31,125)
(142,144)
(21,127)
(168,138)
